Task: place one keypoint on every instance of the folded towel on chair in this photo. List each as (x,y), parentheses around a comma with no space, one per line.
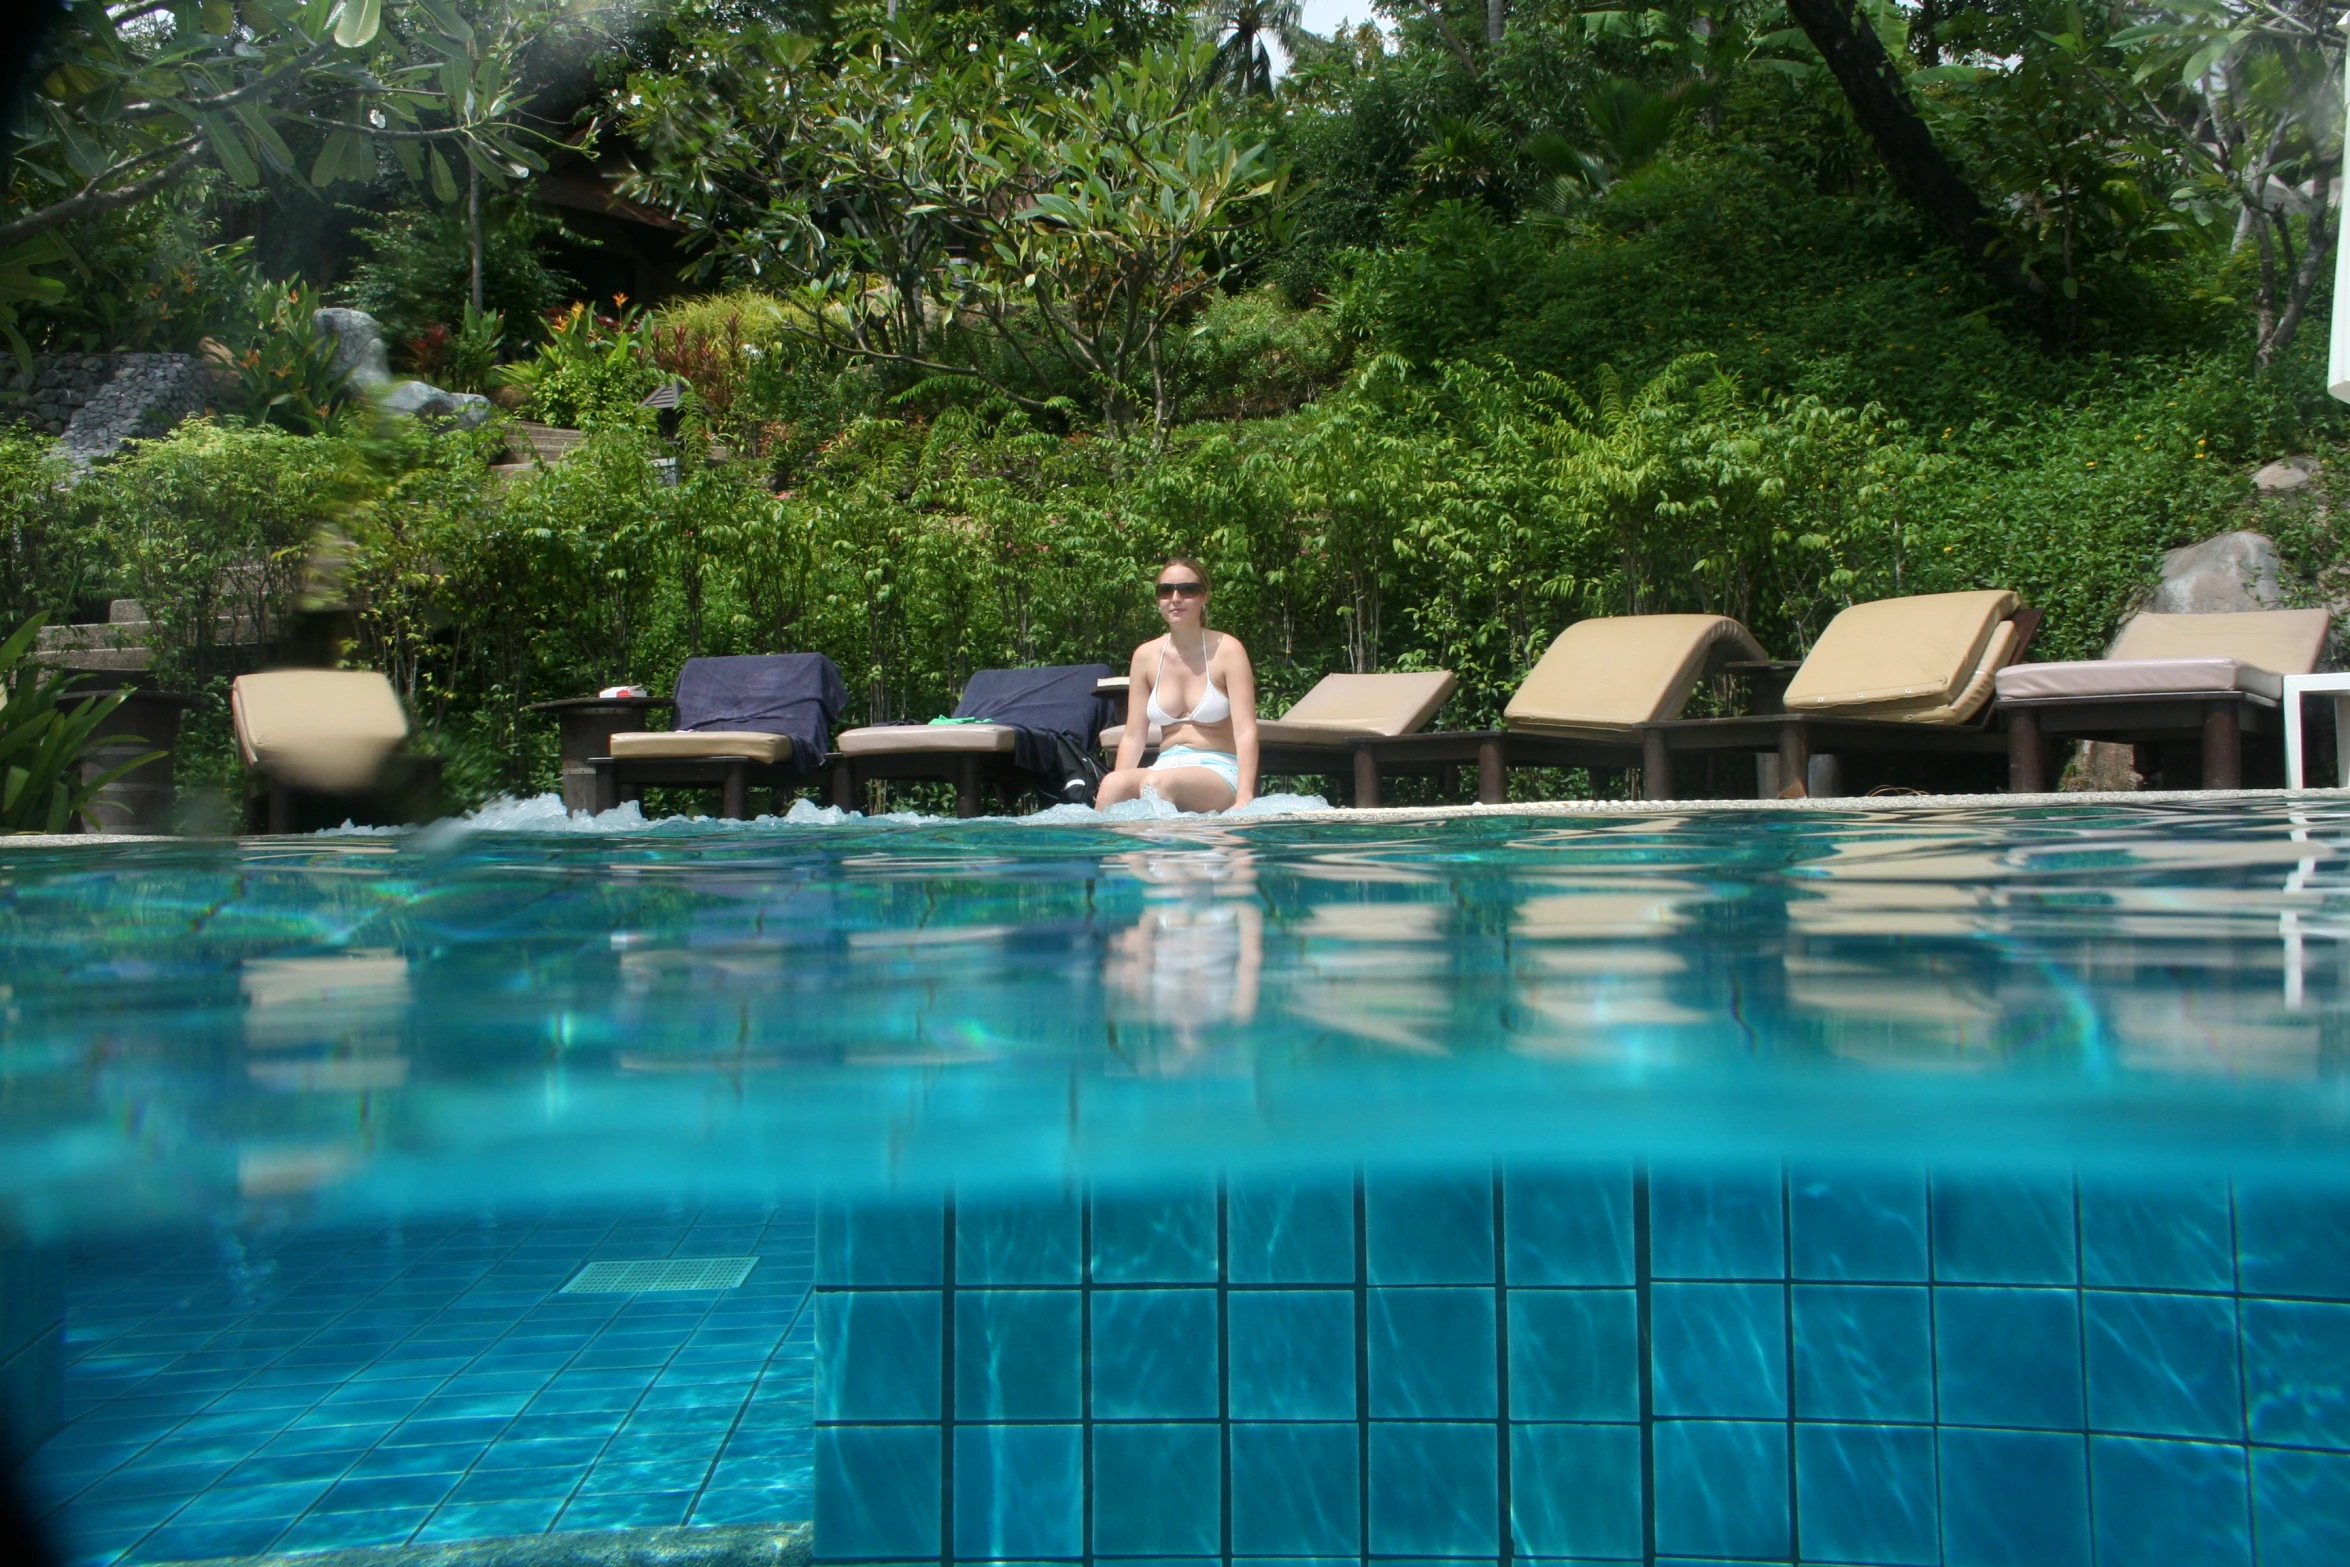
(795,694)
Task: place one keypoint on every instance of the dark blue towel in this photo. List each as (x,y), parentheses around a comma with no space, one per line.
(1045,705)
(796,694)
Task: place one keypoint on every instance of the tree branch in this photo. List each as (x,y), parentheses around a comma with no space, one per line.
(74,208)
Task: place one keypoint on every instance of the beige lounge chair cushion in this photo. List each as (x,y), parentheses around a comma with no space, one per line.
(2287,641)
(1352,707)
(759,746)
(1922,650)
(2137,677)
(330,730)
(901,739)
(1998,653)
(1615,672)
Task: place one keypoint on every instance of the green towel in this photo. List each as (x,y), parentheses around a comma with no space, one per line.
(962,720)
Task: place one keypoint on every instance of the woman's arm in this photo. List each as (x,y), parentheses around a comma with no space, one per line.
(1138,715)
(1240,684)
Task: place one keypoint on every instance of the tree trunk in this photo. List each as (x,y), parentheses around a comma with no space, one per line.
(1496,15)
(1880,102)
(473,229)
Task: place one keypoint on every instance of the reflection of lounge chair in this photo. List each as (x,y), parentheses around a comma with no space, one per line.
(1908,677)
(1324,732)
(1009,722)
(2189,682)
(333,736)
(757,719)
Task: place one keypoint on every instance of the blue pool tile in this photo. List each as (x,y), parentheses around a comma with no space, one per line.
(180,1541)
(2014,1499)
(1717,1224)
(2297,1372)
(443,1458)
(881,1243)
(1719,1349)
(1019,1491)
(1575,1490)
(1866,1494)
(632,1510)
(1296,1490)
(1435,1489)
(878,1355)
(1863,1352)
(224,1503)
(1432,1354)
(2292,1241)
(288,1468)
(2007,1230)
(513,1485)
(1574,1355)
(2008,1357)
(1426,1229)
(781,1504)
(490,1520)
(1847,1226)
(1153,1354)
(877,1490)
(1568,1226)
(2178,1237)
(385,1492)
(347,1531)
(1157,1490)
(2301,1508)
(2164,1365)
(1721,1488)
(139,1480)
(1017,1354)
(1292,1354)
(2169,1504)
(610,1477)
(1168,1239)
(1284,1234)
(1018,1242)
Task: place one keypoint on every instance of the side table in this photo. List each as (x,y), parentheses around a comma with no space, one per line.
(2297,686)
(588,725)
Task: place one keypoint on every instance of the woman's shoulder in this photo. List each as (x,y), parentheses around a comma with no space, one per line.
(1143,659)
(1230,646)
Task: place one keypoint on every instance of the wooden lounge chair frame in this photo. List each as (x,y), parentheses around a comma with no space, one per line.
(968,771)
(625,778)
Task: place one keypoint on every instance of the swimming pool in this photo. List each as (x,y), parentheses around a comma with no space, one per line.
(1843,1185)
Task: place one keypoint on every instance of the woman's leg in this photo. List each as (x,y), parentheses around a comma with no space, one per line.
(1192,788)
(1125,784)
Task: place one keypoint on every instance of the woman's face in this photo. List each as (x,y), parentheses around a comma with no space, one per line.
(1183,598)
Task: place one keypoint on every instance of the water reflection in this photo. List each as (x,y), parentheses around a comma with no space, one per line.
(1187,971)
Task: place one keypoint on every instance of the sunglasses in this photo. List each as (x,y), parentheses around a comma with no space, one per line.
(1189,590)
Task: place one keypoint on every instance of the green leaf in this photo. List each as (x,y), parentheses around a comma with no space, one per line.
(356,23)
(444,184)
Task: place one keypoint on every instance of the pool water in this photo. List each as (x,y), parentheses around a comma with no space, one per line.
(1858,1186)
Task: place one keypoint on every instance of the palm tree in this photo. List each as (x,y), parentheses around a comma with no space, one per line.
(1242,64)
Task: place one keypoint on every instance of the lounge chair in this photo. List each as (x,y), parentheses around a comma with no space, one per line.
(753,719)
(1326,731)
(2170,682)
(326,744)
(1007,730)
(1907,677)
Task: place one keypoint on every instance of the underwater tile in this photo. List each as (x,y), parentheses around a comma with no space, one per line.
(2292,1241)
(2177,1237)
(506,1485)
(1574,1354)
(1865,1493)
(1853,1226)
(2165,1365)
(630,1510)
(878,1355)
(877,1491)
(1716,1224)
(2169,1504)
(1157,1490)
(1018,1354)
(1428,1229)
(1296,1490)
(2004,1230)
(2297,1372)
(1568,1226)
(1291,1354)
(1575,1490)
(1019,1491)
(2301,1508)
(1719,1349)
(182,1540)
(225,1504)
(1299,1233)
(1018,1242)
(385,1492)
(1432,1354)
(1435,1489)
(2008,1357)
(345,1531)
(1153,1354)
(490,1520)
(1863,1352)
(1166,1239)
(2014,1499)
(1721,1488)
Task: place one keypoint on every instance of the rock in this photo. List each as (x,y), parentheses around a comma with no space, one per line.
(2231,573)
(359,346)
(2286,473)
(146,396)
(422,400)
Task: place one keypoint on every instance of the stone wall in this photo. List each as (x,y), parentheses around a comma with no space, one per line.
(98,401)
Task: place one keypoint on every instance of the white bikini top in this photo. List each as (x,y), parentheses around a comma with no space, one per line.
(1213,707)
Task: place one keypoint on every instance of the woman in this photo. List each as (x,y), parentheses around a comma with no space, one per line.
(1197,687)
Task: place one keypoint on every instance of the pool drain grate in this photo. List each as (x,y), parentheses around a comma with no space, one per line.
(682,1273)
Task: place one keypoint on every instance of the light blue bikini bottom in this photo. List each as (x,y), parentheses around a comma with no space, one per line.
(1222,763)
